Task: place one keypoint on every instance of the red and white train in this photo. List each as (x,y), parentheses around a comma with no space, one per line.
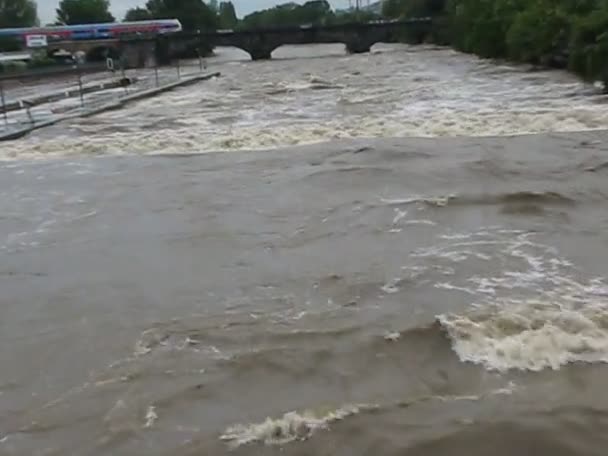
(96,31)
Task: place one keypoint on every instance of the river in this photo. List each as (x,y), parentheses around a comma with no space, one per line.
(400,253)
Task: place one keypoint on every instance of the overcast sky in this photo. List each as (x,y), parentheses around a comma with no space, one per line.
(46,8)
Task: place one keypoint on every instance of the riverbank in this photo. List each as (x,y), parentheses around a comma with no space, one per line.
(557,34)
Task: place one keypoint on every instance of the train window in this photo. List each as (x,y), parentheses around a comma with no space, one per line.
(82,33)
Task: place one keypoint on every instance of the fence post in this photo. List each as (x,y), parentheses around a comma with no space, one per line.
(124,75)
(4,114)
(200,60)
(28,111)
(156,71)
(79,71)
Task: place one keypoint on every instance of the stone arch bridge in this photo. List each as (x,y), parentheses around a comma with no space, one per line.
(258,43)
(357,37)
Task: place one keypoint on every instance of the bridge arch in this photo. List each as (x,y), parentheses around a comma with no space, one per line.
(229,54)
(355,45)
(264,51)
(358,37)
(309,50)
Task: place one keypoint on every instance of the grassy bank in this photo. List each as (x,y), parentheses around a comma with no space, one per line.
(570,34)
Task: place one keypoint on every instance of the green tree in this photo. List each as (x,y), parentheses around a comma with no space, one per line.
(537,32)
(561,33)
(18,13)
(351,15)
(193,14)
(137,14)
(227,15)
(392,9)
(316,11)
(312,12)
(588,49)
(84,12)
(423,8)
(550,32)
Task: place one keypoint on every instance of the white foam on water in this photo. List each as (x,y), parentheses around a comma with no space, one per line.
(533,313)
(280,134)
(290,427)
(393,336)
(399,201)
(449,286)
(122,417)
(504,391)
(415,270)
(201,136)
(455,256)
(507,390)
(141,349)
(399,215)
(391,286)
(420,222)
(531,334)
(415,92)
(456,236)
(439,200)
(151,416)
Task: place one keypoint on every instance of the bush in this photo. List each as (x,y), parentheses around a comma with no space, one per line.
(41,62)
(10,44)
(589,45)
(12,66)
(538,32)
(481,26)
(550,32)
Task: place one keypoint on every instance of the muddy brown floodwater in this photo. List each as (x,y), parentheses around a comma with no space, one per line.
(333,255)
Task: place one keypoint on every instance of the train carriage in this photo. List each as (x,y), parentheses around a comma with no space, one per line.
(96,31)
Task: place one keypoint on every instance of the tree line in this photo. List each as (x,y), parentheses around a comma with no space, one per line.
(222,15)
(564,33)
(314,12)
(193,14)
(569,34)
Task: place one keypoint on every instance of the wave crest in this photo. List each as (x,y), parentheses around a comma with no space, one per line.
(288,428)
(530,335)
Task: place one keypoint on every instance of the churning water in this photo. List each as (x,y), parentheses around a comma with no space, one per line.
(370,274)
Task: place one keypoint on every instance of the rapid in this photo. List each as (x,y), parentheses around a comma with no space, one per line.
(401,253)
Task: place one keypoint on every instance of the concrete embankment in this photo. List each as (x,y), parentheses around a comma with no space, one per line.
(109,106)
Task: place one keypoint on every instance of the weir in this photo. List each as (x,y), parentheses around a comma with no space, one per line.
(112,105)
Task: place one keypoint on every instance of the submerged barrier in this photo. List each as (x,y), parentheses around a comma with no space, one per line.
(117,104)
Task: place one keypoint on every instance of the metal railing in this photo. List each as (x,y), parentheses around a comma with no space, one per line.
(31,97)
